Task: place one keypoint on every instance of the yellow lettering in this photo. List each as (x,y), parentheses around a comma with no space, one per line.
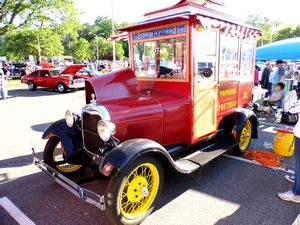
(227,92)
(227,105)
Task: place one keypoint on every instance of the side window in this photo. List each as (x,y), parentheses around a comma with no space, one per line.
(161,59)
(247,60)
(35,73)
(228,57)
(206,54)
(44,73)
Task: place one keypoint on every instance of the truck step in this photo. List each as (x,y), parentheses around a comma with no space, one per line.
(203,156)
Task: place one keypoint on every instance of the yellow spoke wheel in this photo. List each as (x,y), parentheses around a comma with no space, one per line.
(245,136)
(54,152)
(139,190)
(58,155)
(132,195)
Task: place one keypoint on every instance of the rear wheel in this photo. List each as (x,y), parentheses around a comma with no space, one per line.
(244,138)
(131,195)
(54,152)
(61,88)
(31,86)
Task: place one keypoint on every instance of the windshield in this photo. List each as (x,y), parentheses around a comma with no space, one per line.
(55,72)
(161,59)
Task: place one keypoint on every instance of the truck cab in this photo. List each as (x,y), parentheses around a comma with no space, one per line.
(182,103)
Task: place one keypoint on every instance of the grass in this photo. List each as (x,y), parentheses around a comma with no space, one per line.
(15,84)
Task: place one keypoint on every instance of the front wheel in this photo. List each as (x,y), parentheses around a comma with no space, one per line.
(31,86)
(244,138)
(131,195)
(61,88)
(53,153)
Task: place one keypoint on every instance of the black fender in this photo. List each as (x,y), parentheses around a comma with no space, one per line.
(71,138)
(240,117)
(123,154)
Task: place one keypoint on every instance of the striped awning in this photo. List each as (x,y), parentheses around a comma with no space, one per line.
(119,37)
(226,27)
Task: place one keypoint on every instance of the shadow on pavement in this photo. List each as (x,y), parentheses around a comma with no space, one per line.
(45,202)
(250,188)
(18,161)
(39,92)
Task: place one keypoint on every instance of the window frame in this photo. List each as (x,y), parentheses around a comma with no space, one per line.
(249,77)
(185,35)
(237,62)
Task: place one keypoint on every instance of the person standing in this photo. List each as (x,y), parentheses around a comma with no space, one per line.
(294,194)
(264,82)
(3,85)
(256,75)
(278,75)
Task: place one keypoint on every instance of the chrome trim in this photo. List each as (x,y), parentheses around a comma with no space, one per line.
(92,109)
(97,110)
(82,193)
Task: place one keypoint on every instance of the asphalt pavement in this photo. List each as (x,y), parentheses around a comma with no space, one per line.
(225,192)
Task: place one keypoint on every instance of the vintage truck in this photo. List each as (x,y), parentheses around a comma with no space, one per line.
(182,103)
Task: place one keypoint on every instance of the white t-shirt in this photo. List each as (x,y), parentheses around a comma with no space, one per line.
(295,108)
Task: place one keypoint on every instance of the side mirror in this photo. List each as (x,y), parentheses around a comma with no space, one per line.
(207,72)
(47,75)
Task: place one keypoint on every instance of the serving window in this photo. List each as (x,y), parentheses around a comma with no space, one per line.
(228,57)
(247,60)
(206,52)
(164,58)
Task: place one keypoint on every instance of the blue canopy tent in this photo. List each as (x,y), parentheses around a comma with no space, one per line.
(288,49)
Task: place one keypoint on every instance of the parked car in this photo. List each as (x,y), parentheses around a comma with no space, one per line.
(138,121)
(87,73)
(55,78)
(17,70)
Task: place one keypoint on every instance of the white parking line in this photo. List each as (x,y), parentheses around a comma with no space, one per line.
(276,124)
(16,213)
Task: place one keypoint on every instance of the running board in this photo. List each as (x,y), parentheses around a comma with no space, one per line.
(201,157)
(82,193)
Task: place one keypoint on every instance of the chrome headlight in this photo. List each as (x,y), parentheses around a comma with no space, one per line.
(106,129)
(69,118)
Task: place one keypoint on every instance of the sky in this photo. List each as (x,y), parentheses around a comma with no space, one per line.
(287,11)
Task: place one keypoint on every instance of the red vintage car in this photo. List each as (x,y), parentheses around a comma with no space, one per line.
(55,78)
(180,105)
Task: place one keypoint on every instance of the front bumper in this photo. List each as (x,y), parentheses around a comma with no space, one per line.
(78,83)
(82,193)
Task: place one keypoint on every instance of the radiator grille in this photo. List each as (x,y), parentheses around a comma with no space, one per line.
(91,139)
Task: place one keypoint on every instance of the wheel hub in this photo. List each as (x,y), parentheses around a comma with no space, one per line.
(145,192)
(137,189)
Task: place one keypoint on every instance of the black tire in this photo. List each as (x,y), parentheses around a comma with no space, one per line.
(148,197)
(61,88)
(31,85)
(51,150)
(244,138)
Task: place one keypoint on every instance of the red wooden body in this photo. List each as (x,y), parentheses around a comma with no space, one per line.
(167,110)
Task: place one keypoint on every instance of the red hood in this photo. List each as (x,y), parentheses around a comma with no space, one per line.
(72,69)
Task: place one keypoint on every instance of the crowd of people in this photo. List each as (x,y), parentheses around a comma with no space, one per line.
(277,78)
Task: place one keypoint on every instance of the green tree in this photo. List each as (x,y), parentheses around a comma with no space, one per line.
(287,32)
(87,32)
(105,49)
(19,44)
(19,13)
(82,50)
(266,25)
(103,26)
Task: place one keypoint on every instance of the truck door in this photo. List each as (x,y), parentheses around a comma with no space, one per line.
(205,81)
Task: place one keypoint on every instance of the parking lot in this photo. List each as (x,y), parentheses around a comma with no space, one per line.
(225,192)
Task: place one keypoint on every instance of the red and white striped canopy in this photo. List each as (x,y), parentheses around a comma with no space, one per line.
(234,29)
(119,37)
